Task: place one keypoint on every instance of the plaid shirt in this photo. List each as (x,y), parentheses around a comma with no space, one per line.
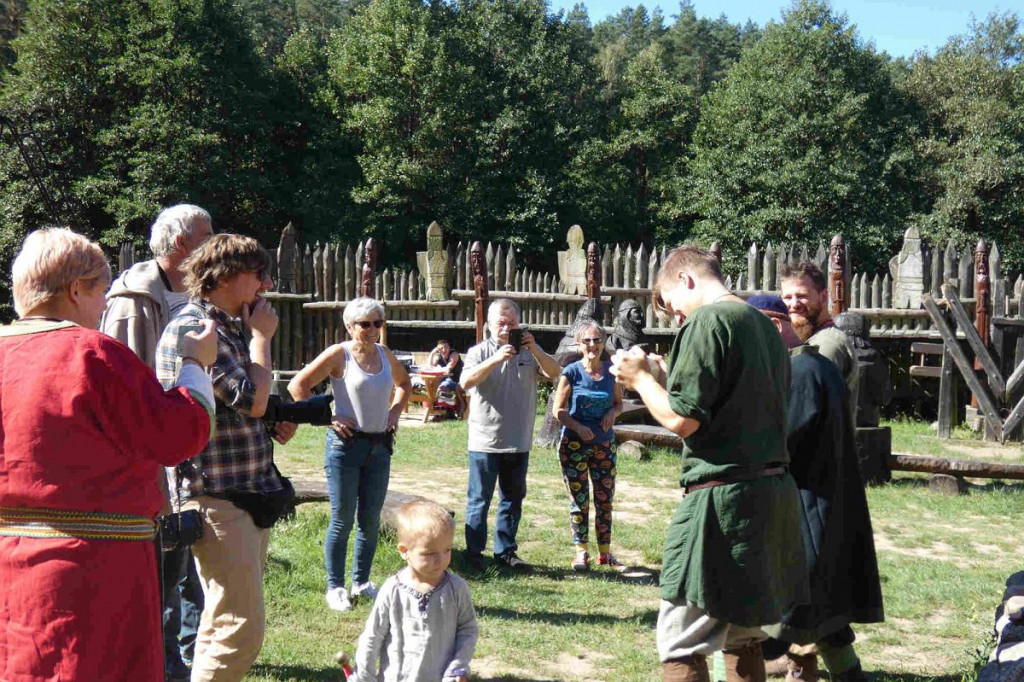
(240,455)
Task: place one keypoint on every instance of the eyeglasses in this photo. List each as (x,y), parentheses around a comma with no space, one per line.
(592,342)
(366,324)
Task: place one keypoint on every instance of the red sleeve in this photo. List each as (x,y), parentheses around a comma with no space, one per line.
(140,416)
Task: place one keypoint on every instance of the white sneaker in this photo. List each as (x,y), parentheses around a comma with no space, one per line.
(338,600)
(367,589)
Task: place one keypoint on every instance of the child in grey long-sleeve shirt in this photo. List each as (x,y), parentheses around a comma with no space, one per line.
(423,626)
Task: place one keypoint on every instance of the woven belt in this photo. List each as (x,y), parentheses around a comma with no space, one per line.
(739,478)
(29,522)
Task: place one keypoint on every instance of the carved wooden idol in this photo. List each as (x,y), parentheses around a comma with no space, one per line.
(433,265)
(572,264)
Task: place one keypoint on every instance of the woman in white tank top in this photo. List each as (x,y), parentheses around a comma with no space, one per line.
(357,454)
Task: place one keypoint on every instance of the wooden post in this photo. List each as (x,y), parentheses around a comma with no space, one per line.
(837,276)
(982,309)
(716,251)
(367,276)
(594,279)
(479,264)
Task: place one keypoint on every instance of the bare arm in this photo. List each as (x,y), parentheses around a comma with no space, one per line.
(549,367)
(472,376)
(331,362)
(655,397)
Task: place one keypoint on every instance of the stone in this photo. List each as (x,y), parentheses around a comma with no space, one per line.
(572,264)
(433,265)
(945,484)
(909,272)
(1002,672)
(633,450)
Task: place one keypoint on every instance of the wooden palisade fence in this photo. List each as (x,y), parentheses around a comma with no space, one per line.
(313,282)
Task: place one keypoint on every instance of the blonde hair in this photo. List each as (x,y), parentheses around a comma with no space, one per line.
(222,257)
(420,518)
(50,260)
(689,259)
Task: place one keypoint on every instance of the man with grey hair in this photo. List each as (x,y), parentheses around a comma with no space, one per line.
(502,383)
(146,296)
(140,303)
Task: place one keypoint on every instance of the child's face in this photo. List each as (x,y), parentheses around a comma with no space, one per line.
(428,556)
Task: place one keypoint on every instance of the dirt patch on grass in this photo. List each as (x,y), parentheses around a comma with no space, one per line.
(984,450)
(938,551)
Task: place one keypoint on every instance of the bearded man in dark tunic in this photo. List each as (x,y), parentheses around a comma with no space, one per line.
(836,528)
(731,565)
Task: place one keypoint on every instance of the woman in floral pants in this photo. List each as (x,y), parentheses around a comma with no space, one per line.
(587,401)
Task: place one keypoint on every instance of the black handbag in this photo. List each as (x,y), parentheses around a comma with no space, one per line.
(266,509)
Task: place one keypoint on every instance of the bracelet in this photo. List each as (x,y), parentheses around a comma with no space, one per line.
(193,359)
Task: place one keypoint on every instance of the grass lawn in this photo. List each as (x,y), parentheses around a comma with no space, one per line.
(943,561)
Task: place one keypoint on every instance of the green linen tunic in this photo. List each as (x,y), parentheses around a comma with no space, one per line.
(733,550)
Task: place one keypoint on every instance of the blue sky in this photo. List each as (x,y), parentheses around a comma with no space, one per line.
(900,27)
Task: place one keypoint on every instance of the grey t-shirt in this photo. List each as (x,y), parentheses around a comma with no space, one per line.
(502,407)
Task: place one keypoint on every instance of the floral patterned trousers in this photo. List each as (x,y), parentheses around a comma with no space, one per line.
(581,464)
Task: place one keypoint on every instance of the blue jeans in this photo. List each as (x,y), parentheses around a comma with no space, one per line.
(508,469)
(357,470)
(183,603)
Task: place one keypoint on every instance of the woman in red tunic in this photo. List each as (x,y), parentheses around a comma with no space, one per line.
(84,430)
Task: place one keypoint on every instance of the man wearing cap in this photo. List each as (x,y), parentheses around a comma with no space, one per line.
(836,525)
(729,566)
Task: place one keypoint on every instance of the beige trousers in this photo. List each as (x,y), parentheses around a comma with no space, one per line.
(230,558)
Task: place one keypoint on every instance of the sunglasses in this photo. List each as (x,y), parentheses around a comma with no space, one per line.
(592,342)
(366,324)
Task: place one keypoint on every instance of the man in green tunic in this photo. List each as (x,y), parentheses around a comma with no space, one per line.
(731,564)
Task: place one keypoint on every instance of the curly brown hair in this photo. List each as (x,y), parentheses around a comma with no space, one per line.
(220,258)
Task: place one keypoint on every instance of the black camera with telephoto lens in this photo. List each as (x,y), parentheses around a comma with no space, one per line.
(315,410)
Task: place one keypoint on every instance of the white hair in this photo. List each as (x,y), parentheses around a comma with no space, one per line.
(500,304)
(171,223)
(361,307)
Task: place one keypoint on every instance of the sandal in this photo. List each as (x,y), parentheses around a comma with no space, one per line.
(581,562)
(611,562)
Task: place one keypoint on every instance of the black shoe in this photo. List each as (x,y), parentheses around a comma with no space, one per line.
(475,564)
(512,561)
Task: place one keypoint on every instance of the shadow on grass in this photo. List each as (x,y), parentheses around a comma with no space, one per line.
(882,676)
(634,575)
(298,673)
(992,486)
(571,618)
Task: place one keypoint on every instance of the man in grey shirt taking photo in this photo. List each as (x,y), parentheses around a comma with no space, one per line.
(502,383)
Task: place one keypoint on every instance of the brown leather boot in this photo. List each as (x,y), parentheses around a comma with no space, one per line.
(802,668)
(688,669)
(744,665)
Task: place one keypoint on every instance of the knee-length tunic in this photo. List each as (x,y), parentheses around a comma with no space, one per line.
(84,425)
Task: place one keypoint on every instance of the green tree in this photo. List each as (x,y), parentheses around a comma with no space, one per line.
(621,37)
(972,94)
(805,137)
(12,14)
(273,22)
(701,50)
(133,105)
(620,178)
(465,113)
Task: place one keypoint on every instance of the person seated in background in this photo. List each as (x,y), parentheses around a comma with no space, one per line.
(86,429)
(447,358)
